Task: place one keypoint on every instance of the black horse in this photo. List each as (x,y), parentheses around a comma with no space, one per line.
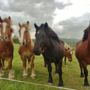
(51,47)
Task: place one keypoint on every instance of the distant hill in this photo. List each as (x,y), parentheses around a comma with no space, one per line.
(72,42)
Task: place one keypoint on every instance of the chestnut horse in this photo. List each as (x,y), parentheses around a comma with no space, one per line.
(25,49)
(83,54)
(6,45)
(67,55)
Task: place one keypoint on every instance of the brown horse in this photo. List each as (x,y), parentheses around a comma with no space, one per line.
(83,54)
(25,49)
(6,45)
(67,55)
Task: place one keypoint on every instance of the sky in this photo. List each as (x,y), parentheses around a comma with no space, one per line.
(68,18)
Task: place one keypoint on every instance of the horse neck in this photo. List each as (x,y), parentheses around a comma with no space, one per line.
(29,41)
(10,37)
(88,41)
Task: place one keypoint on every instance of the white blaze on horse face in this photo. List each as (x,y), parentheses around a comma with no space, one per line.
(4,26)
(22,34)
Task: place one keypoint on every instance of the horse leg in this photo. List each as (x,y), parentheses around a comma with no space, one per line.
(31,63)
(45,64)
(24,61)
(56,71)
(86,75)
(60,74)
(11,72)
(1,72)
(50,80)
(82,71)
(2,61)
(65,60)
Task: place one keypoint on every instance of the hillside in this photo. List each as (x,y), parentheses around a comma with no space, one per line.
(71,42)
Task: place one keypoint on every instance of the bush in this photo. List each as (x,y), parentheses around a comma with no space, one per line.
(15,40)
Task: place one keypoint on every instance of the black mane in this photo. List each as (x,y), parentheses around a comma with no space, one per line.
(51,34)
(85,36)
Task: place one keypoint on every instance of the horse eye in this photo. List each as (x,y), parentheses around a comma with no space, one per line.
(38,32)
(26,31)
(7,26)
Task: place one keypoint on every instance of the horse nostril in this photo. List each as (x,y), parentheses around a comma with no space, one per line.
(36,51)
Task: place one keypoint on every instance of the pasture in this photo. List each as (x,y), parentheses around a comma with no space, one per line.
(71,75)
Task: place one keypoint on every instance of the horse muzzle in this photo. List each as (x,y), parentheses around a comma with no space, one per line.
(36,52)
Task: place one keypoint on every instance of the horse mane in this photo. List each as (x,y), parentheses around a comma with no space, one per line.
(85,36)
(51,34)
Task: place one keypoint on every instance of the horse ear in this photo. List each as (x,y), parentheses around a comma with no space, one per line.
(11,30)
(35,25)
(19,24)
(9,18)
(0,19)
(27,22)
(46,24)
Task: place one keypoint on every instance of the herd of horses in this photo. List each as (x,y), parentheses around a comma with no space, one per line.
(46,43)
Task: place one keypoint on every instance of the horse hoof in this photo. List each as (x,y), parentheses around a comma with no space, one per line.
(86,84)
(33,76)
(11,74)
(56,72)
(82,75)
(60,84)
(11,77)
(25,75)
(1,74)
(49,83)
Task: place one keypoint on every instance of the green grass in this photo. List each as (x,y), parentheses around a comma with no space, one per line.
(71,75)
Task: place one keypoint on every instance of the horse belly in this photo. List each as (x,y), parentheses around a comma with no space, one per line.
(82,54)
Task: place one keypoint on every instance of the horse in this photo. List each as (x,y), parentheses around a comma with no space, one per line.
(83,54)
(51,47)
(25,50)
(67,55)
(6,46)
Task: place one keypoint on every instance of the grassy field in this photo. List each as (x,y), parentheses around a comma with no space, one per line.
(71,76)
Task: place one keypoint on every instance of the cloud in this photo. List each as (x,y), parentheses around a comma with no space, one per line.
(66,17)
(76,9)
(74,27)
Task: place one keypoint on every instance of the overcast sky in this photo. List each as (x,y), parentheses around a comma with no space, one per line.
(68,18)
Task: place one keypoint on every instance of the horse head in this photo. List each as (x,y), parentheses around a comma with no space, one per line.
(5,28)
(24,33)
(45,38)
(68,52)
(42,41)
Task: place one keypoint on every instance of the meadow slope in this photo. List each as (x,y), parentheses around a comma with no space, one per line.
(71,75)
